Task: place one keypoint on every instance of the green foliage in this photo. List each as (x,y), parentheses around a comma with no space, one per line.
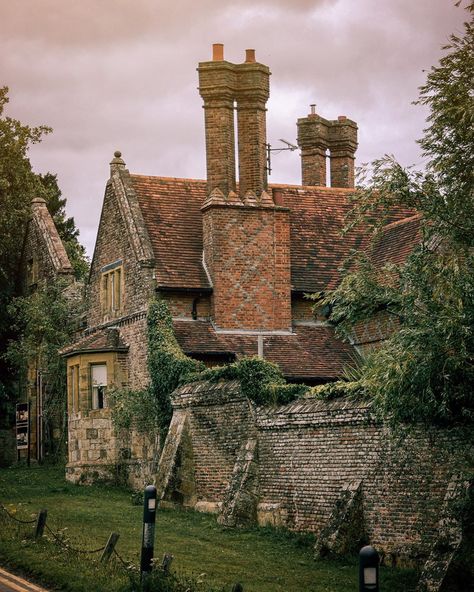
(167,364)
(18,186)
(43,323)
(449,138)
(354,390)
(425,371)
(133,409)
(260,380)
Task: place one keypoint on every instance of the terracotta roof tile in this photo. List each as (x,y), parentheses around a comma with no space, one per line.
(97,341)
(396,241)
(172,214)
(312,352)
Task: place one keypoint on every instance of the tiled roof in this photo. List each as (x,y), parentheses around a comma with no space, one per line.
(396,241)
(172,215)
(311,352)
(95,342)
(171,210)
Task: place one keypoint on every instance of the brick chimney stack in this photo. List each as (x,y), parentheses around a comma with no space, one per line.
(217,81)
(342,146)
(313,143)
(246,237)
(316,135)
(253,90)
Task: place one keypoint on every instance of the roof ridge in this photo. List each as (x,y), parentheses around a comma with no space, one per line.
(402,221)
(187,179)
(50,235)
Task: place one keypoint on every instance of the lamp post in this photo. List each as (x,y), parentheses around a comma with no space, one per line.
(368,569)
(148,537)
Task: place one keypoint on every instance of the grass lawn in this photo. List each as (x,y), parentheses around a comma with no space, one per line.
(263,560)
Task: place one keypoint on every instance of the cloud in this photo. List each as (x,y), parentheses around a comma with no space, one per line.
(121,74)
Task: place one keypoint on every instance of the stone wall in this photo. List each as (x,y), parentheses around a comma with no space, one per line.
(99,452)
(114,245)
(308,455)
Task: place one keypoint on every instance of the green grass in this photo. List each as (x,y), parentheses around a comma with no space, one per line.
(263,560)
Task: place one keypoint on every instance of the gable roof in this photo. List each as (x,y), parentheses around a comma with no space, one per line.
(50,236)
(171,209)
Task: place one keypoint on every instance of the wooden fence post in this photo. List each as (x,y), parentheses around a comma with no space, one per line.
(109,547)
(40,523)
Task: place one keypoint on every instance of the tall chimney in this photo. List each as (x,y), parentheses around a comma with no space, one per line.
(313,143)
(253,89)
(246,238)
(342,146)
(217,80)
(315,136)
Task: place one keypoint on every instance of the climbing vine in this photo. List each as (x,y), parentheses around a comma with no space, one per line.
(261,381)
(167,364)
(150,409)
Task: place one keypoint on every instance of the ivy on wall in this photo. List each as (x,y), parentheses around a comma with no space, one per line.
(150,409)
(261,381)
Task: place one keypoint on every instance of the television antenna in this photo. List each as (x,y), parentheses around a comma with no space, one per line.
(289,146)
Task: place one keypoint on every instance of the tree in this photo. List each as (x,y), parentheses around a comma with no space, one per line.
(18,185)
(425,370)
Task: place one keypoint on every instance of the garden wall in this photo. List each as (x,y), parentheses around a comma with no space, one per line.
(296,463)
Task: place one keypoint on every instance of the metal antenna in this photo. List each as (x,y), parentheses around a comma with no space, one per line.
(289,146)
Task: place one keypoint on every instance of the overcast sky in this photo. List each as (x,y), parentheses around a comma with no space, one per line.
(121,74)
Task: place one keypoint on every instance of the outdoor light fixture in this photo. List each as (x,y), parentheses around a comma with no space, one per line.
(148,536)
(368,570)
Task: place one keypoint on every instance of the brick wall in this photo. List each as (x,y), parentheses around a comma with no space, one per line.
(308,451)
(219,421)
(247,252)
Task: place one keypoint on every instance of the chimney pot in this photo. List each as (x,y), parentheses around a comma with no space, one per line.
(217,52)
(250,56)
(313,109)
(342,118)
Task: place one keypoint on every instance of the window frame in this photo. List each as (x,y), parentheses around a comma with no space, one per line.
(101,396)
(111,287)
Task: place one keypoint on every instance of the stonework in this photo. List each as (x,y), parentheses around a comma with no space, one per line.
(44,260)
(325,467)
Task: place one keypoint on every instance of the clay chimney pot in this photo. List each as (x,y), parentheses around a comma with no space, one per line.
(250,56)
(218,52)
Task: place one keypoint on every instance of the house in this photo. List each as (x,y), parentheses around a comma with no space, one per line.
(233,258)
(44,260)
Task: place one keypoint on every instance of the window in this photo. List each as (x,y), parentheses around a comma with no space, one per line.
(99,385)
(111,288)
(74,386)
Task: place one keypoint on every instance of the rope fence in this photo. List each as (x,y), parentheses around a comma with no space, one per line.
(40,522)
(14,518)
(107,550)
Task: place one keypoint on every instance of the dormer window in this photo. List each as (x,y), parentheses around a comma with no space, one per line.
(112,288)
